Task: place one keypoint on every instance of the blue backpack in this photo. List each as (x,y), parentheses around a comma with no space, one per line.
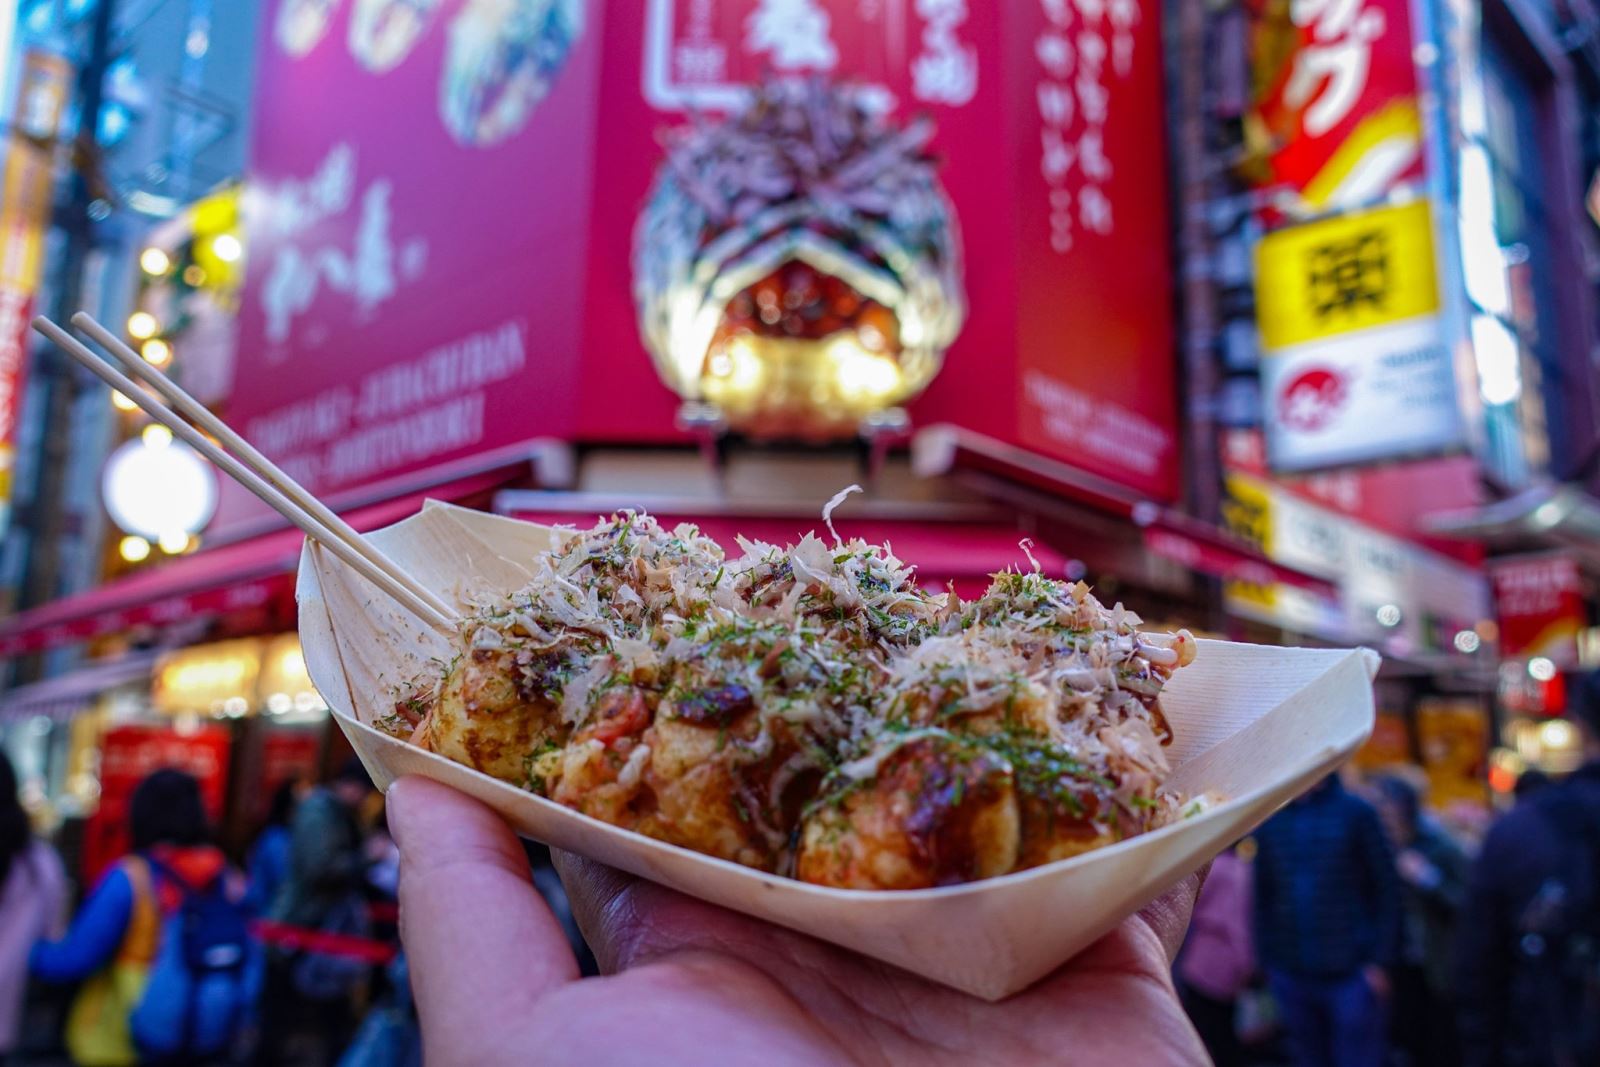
(197,995)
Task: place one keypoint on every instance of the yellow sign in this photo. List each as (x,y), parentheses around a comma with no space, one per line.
(219,677)
(1344,274)
(1247,512)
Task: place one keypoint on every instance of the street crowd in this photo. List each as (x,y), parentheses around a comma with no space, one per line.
(1353,929)
(1358,929)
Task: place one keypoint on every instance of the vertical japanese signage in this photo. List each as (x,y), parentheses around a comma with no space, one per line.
(1093,277)
(1539,603)
(26,185)
(1334,122)
(1354,362)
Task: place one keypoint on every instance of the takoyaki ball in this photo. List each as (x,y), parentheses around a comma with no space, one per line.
(970,685)
(935,810)
(625,576)
(861,593)
(489,717)
(599,772)
(711,781)
(1066,806)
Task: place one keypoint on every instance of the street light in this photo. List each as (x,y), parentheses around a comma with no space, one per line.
(155,262)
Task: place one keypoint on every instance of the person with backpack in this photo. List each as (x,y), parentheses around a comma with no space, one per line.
(162,943)
(33,896)
(1528,957)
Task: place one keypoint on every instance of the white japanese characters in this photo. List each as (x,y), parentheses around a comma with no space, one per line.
(794,34)
(1084,43)
(367,273)
(946,71)
(1330,71)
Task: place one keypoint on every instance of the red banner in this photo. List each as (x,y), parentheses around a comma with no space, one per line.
(1539,603)
(1335,119)
(288,754)
(440,267)
(128,755)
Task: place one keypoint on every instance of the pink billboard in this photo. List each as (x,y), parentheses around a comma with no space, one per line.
(443,200)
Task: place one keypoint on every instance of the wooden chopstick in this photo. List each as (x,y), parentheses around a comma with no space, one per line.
(270,472)
(314,529)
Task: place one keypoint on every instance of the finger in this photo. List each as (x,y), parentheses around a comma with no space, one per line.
(1168,915)
(479,938)
(629,920)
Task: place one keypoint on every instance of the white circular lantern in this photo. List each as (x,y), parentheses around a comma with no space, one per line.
(159,488)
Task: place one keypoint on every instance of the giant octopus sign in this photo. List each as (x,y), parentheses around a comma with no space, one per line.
(798,264)
(817,210)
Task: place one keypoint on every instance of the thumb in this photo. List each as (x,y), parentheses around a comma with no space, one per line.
(481,944)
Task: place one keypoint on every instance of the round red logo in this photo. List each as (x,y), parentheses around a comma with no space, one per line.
(1311,399)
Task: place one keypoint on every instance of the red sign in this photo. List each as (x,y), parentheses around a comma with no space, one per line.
(288,754)
(440,267)
(1539,603)
(128,755)
(1336,103)
(26,184)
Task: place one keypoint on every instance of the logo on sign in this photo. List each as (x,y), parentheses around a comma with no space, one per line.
(1312,399)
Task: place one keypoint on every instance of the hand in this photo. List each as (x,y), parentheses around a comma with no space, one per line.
(689,982)
(1377,980)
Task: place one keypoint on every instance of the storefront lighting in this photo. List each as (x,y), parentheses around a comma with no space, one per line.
(122,403)
(235,707)
(1388,615)
(1557,735)
(133,548)
(227,247)
(173,542)
(1467,641)
(154,262)
(194,277)
(158,489)
(156,435)
(143,325)
(1541,669)
(278,703)
(156,352)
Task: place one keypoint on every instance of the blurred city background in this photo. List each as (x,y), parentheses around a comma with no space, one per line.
(1274,319)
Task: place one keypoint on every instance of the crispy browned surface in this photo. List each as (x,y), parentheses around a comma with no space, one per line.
(936,812)
(482,720)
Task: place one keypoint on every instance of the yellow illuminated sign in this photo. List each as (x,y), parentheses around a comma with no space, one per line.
(1354,272)
(207,678)
(1247,512)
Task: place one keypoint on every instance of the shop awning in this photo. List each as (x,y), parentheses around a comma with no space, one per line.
(1165,532)
(213,581)
(963,552)
(1550,515)
(62,697)
(1205,548)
